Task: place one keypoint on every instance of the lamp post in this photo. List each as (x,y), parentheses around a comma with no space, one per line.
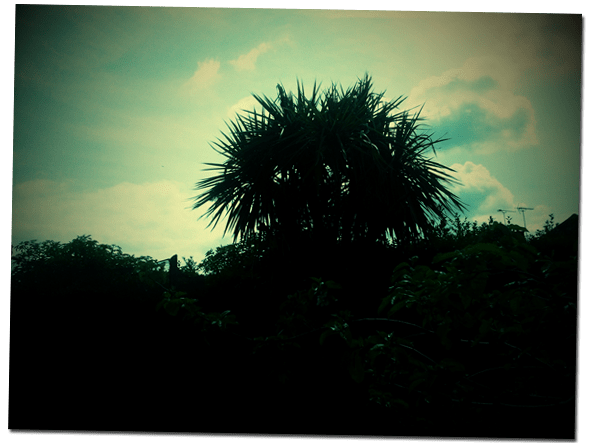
(522,209)
(504,211)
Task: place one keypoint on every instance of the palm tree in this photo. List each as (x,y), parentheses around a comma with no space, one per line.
(339,166)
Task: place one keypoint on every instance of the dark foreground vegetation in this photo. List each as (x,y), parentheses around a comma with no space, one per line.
(471,334)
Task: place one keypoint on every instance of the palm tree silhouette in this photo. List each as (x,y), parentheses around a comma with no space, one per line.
(339,165)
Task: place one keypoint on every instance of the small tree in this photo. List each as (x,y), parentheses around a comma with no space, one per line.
(339,166)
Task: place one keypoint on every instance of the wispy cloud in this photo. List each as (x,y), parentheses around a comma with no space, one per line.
(205,76)
(485,195)
(481,191)
(247,62)
(477,106)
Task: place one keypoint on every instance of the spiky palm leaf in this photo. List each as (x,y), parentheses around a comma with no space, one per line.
(345,165)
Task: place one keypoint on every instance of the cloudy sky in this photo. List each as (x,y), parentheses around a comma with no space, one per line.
(115,107)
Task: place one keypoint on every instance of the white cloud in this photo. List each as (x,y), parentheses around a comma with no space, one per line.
(483,192)
(247,62)
(499,99)
(486,195)
(477,102)
(205,76)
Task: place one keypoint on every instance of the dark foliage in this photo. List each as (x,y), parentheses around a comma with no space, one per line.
(476,340)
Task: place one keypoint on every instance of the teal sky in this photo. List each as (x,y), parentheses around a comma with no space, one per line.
(115,107)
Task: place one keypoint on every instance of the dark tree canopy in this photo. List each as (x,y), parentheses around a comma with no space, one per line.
(337,165)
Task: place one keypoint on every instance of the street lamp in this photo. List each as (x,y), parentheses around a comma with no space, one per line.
(504,211)
(522,209)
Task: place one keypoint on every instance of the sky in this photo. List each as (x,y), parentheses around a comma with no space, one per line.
(115,108)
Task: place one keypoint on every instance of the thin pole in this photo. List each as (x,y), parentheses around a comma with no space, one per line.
(521,209)
(504,211)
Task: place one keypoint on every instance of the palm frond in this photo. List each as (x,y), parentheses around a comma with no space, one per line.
(342,162)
